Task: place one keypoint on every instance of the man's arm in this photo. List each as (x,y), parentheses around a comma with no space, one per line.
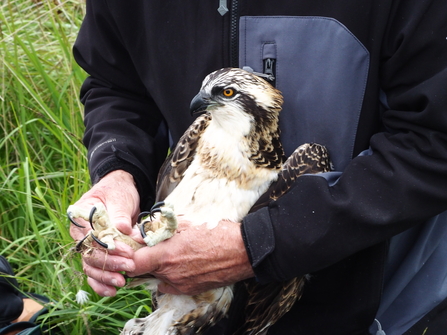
(122,124)
(400,183)
(122,121)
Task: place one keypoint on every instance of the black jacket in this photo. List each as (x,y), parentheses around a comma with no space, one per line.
(356,76)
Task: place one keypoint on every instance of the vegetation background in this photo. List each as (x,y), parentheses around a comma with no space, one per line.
(43,167)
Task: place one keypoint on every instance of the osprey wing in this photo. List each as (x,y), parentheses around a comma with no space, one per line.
(307,158)
(178,161)
(267,303)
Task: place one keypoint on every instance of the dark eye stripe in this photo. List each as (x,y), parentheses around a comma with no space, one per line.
(216,90)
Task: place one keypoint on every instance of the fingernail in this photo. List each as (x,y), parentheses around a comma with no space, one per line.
(107,294)
(114,282)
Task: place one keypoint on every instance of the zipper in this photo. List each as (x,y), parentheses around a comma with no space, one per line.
(234,35)
(269,70)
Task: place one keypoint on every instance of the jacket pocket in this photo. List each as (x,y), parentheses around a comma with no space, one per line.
(321,69)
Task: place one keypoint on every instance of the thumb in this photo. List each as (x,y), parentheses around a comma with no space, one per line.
(121,199)
(121,217)
(147,260)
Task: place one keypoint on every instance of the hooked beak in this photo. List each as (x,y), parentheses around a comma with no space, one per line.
(198,104)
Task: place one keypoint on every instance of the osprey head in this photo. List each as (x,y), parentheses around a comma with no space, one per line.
(230,92)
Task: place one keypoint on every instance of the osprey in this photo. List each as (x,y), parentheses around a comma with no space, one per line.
(229,162)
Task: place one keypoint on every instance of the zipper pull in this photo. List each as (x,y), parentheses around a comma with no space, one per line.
(223,9)
(259,74)
(269,57)
(269,68)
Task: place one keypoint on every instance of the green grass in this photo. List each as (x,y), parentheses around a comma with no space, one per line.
(43,167)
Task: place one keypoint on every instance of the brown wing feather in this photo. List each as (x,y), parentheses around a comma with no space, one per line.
(277,299)
(307,158)
(175,165)
(268,303)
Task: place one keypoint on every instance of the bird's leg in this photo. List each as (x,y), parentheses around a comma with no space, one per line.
(159,227)
(103,231)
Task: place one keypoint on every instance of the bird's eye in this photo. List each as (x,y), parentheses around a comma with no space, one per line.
(228,92)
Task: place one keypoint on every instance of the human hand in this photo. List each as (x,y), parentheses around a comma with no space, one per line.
(118,193)
(196,259)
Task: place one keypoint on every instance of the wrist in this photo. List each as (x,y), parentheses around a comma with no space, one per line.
(116,168)
(120,175)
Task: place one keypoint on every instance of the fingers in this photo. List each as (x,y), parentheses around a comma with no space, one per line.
(103,268)
(102,289)
(146,260)
(109,278)
(136,235)
(117,260)
(196,259)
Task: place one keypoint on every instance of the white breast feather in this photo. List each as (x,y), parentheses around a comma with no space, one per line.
(202,196)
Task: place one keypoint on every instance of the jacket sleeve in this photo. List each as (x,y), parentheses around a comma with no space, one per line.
(124,128)
(401,183)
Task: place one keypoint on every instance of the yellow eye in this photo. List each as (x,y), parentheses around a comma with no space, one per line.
(228,92)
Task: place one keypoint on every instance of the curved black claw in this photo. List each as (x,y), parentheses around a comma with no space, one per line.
(79,244)
(142,215)
(70,217)
(154,209)
(101,243)
(142,232)
(90,217)
(157,205)
(151,216)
